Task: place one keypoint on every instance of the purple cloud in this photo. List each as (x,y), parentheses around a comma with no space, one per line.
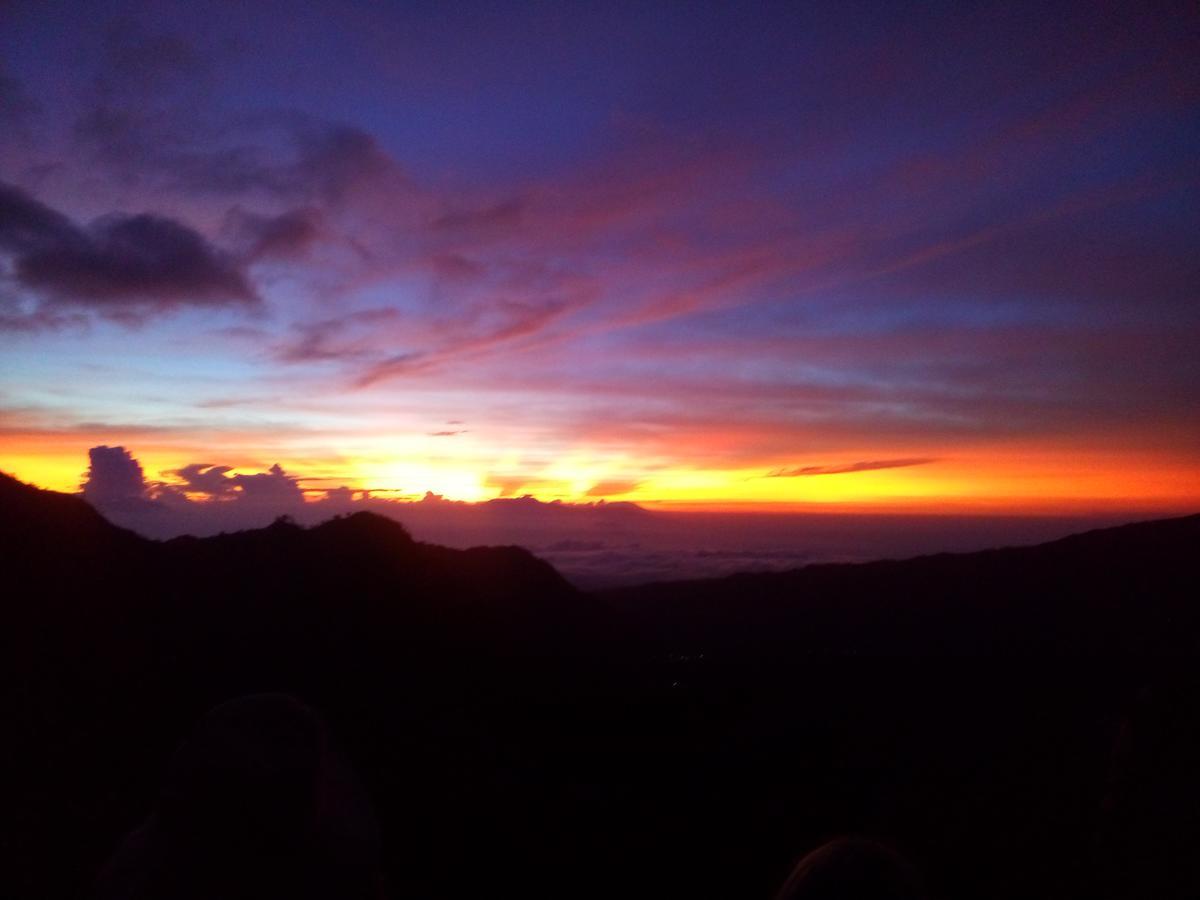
(286,236)
(274,486)
(145,260)
(205,478)
(114,479)
(863,466)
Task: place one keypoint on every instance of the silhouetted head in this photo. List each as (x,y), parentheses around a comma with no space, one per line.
(852,869)
(247,779)
(255,803)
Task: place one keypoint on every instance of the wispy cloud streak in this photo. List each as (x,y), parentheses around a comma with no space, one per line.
(846,468)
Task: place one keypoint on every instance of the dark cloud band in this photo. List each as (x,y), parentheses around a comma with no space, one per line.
(118,260)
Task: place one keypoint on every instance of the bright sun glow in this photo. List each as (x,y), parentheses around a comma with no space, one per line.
(1036,479)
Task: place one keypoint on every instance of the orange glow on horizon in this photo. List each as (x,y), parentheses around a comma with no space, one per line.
(1026,479)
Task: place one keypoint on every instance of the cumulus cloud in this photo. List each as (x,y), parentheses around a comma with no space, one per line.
(862,466)
(215,482)
(204,498)
(205,478)
(117,260)
(114,479)
(273,486)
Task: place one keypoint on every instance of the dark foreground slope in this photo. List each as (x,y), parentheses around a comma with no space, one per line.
(1126,590)
(1019,723)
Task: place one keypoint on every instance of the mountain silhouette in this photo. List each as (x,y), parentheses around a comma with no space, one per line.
(1015,721)
(1125,590)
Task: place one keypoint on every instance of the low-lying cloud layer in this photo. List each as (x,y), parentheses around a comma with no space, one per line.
(595,545)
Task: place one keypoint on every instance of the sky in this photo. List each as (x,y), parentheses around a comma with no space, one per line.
(928,258)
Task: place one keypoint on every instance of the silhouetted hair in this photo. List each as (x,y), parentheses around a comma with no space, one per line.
(852,869)
(254,804)
(246,780)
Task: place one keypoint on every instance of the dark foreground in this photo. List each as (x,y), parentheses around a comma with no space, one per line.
(1020,722)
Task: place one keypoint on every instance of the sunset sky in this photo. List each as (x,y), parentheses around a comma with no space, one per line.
(932,257)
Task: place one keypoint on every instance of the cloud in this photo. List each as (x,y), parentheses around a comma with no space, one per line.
(339,495)
(334,159)
(863,466)
(205,499)
(117,487)
(508,322)
(935,292)
(348,337)
(152,119)
(280,156)
(445,433)
(205,478)
(118,260)
(288,235)
(114,479)
(27,226)
(612,488)
(14,321)
(273,486)
(135,258)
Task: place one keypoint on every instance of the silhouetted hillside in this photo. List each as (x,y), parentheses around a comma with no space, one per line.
(1126,590)
(1016,722)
